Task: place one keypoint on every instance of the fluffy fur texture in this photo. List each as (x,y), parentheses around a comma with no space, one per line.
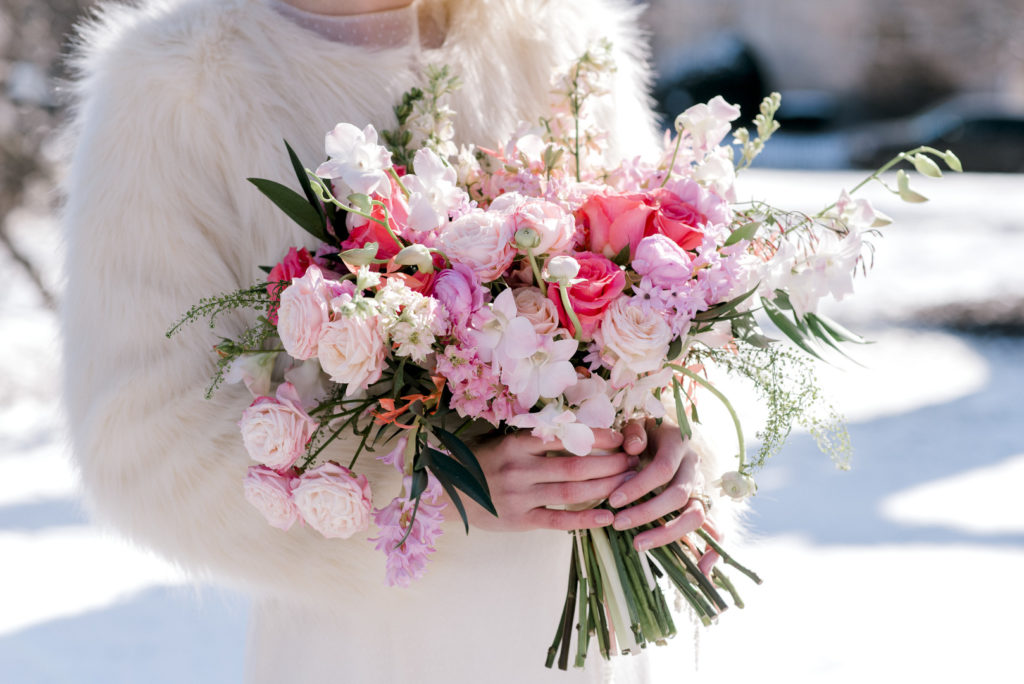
(178,102)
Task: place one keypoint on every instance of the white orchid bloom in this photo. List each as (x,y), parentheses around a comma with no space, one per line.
(357,159)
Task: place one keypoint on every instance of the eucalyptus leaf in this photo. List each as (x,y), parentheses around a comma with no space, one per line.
(294,205)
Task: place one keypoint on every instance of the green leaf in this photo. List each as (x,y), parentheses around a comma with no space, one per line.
(622,258)
(746,232)
(787,327)
(684,424)
(446,468)
(674,349)
(453,494)
(464,454)
(360,202)
(419,482)
(719,310)
(294,205)
(307,189)
(837,331)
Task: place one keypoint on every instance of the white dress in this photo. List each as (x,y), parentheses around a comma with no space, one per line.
(178,102)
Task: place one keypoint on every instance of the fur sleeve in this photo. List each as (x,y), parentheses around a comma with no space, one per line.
(150,227)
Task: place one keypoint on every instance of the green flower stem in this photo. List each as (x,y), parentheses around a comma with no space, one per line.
(536,272)
(729,560)
(721,397)
(672,162)
(563,290)
(678,576)
(596,595)
(398,180)
(567,610)
(702,580)
(723,581)
(885,167)
(618,609)
(638,586)
(387,223)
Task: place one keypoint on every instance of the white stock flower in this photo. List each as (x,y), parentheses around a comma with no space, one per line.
(357,159)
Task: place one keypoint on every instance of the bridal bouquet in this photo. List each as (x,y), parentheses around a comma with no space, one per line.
(533,287)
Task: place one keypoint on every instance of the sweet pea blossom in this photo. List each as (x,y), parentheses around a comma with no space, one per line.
(357,159)
(333,500)
(709,123)
(433,192)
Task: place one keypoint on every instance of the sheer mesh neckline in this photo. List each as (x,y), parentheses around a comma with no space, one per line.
(390,29)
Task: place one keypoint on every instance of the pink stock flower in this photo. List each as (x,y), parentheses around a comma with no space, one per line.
(663,261)
(293,265)
(407,541)
(598,283)
(275,430)
(303,314)
(333,500)
(270,493)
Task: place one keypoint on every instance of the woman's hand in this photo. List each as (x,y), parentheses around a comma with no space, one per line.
(674,466)
(524,481)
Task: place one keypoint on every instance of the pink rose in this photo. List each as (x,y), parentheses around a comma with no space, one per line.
(271,493)
(598,283)
(538,309)
(333,500)
(480,240)
(664,262)
(292,266)
(459,291)
(351,350)
(555,228)
(675,218)
(275,431)
(634,340)
(613,222)
(303,313)
(362,231)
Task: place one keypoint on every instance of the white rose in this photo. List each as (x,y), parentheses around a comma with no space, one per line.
(636,340)
(271,494)
(538,309)
(303,313)
(275,431)
(480,240)
(333,500)
(351,351)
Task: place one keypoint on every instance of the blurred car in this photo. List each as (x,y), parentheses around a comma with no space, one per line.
(985,132)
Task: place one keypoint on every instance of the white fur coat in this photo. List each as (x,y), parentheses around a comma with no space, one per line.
(177,103)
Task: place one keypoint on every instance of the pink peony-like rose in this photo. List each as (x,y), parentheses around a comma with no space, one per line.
(541,311)
(275,430)
(664,262)
(633,340)
(598,283)
(303,313)
(333,500)
(271,493)
(613,222)
(555,228)
(293,265)
(351,351)
(480,240)
(459,291)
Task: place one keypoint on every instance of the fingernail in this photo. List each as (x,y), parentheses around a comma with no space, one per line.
(604,517)
(642,545)
(617,499)
(622,522)
(634,441)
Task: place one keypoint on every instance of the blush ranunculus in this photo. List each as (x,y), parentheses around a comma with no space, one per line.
(275,430)
(270,492)
(293,265)
(555,228)
(613,222)
(598,283)
(664,262)
(333,500)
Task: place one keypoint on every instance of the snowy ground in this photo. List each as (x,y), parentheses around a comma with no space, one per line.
(907,566)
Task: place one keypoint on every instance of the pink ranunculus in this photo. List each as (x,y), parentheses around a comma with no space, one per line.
(613,222)
(663,261)
(303,313)
(333,500)
(555,228)
(293,265)
(675,218)
(270,493)
(598,283)
(275,430)
(459,291)
(480,240)
(351,351)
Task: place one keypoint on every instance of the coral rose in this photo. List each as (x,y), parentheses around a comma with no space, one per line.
(598,283)
(333,500)
(613,222)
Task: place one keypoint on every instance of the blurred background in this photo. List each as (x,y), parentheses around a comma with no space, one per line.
(907,565)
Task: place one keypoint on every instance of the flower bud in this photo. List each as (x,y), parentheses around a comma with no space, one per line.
(416,255)
(903,188)
(736,485)
(562,269)
(360,256)
(926,166)
(527,238)
(952,161)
